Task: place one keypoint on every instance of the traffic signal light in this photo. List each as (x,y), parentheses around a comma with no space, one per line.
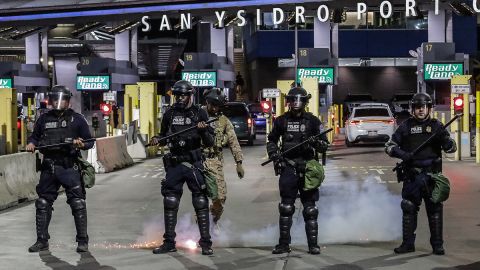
(458,104)
(266,106)
(106,108)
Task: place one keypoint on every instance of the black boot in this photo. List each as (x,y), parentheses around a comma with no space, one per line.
(200,203)
(310,215)
(42,221)
(409,225)
(79,212)
(285,223)
(435,221)
(170,210)
(166,247)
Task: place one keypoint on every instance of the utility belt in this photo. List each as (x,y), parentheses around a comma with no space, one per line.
(65,162)
(416,167)
(171,160)
(299,165)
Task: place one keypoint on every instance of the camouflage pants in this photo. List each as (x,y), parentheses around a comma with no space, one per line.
(215,165)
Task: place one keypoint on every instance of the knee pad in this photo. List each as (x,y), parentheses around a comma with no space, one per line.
(200,202)
(42,204)
(286,210)
(310,212)
(409,207)
(78,204)
(171,202)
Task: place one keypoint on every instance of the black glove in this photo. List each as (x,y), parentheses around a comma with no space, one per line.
(449,145)
(405,156)
(321,146)
(279,165)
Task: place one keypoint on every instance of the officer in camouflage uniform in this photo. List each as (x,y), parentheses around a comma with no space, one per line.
(224,134)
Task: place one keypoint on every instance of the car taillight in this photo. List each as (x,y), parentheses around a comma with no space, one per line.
(355,122)
(19,124)
(249,121)
(389,122)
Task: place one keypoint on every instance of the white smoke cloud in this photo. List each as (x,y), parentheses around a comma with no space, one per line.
(349,211)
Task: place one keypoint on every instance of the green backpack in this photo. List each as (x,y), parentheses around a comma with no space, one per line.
(210,181)
(314,175)
(441,190)
(87,171)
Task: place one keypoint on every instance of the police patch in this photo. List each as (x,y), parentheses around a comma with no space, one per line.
(416,130)
(293,127)
(64,123)
(429,129)
(188,121)
(178,121)
(302,128)
(51,125)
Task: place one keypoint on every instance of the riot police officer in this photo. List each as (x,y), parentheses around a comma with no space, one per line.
(420,170)
(60,166)
(224,134)
(184,164)
(293,127)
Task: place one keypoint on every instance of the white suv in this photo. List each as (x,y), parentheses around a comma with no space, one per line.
(370,122)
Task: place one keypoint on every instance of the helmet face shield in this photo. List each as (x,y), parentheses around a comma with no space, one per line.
(297,102)
(58,100)
(183,100)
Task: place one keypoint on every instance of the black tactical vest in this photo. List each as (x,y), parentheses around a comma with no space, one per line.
(417,133)
(180,120)
(57,130)
(297,130)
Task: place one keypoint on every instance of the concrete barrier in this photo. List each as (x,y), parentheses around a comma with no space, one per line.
(18,179)
(109,154)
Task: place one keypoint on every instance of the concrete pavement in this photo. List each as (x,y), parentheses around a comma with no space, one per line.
(359,221)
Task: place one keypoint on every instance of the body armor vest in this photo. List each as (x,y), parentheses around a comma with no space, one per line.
(58,130)
(180,120)
(297,130)
(418,132)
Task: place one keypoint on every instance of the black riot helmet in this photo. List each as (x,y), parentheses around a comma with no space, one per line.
(183,92)
(56,95)
(297,99)
(215,97)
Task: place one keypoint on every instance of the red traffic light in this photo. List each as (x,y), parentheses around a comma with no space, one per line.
(266,106)
(106,108)
(458,104)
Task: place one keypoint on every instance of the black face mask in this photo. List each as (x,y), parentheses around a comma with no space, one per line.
(183,101)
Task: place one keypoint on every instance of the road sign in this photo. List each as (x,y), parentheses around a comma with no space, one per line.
(441,71)
(270,92)
(109,96)
(201,78)
(6,83)
(100,82)
(325,75)
(461,84)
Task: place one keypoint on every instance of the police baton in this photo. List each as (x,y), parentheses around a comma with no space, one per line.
(61,144)
(296,146)
(182,131)
(429,139)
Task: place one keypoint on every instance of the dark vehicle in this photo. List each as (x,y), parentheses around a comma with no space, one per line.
(257,114)
(241,120)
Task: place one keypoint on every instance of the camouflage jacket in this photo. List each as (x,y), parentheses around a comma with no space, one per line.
(224,135)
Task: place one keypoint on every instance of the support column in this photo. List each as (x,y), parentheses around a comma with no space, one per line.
(437,26)
(32,49)
(218,41)
(122,46)
(230,45)
(134,46)
(44,38)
